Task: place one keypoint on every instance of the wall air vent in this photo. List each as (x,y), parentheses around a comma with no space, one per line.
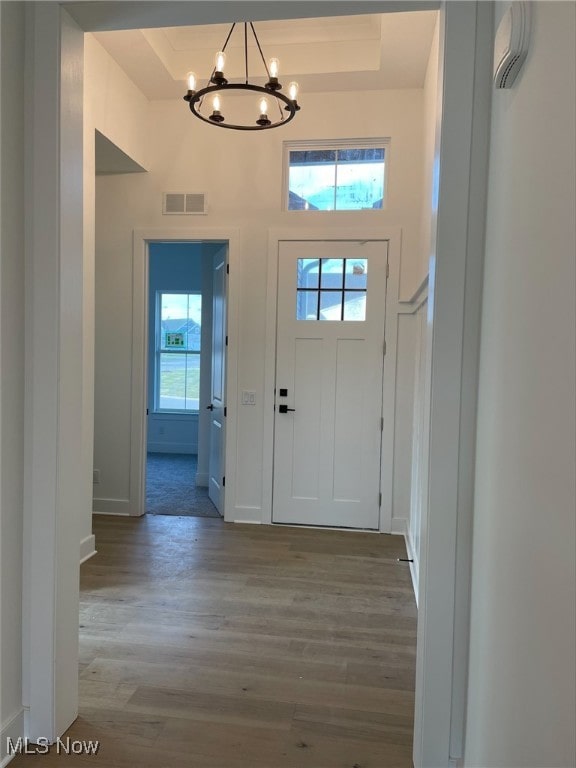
(183,203)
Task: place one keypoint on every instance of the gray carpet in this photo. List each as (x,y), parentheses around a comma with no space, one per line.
(171,486)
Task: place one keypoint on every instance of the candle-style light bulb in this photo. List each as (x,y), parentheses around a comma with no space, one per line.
(293,91)
(220,61)
(216,103)
(274,67)
(263,107)
(191,79)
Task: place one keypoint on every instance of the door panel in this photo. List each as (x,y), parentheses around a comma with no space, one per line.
(330,341)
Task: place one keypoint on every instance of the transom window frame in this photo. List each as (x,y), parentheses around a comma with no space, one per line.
(333,144)
(159,351)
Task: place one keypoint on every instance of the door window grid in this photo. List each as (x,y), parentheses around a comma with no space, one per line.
(331,289)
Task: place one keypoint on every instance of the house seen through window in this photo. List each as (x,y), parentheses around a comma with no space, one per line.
(177,369)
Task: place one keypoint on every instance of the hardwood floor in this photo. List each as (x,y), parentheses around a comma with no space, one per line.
(210,645)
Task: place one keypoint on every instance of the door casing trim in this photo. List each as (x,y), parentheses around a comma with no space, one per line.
(138,425)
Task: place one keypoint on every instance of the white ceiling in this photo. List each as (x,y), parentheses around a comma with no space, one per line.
(376,51)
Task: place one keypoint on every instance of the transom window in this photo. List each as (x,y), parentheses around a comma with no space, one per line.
(178,333)
(331,289)
(343,176)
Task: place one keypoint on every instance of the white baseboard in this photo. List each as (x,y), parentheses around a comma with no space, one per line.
(172,448)
(399,526)
(10,729)
(202,479)
(111,507)
(87,548)
(245,514)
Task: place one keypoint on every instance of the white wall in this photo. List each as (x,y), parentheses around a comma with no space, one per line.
(521,706)
(241,175)
(12,88)
(116,107)
(431,128)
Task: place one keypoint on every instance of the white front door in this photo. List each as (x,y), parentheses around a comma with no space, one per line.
(218,385)
(329,368)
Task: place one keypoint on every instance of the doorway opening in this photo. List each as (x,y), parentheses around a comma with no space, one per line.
(185,372)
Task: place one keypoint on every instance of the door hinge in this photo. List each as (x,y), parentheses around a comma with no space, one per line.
(381,423)
(384,346)
(379,499)
(227,269)
(387,270)
(223,482)
(225,411)
(226,340)
(147,412)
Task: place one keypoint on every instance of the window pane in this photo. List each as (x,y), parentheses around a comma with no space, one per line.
(354,305)
(181,321)
(172,382)
(311,187)
(307,305)
(180,329)
(359,185)
(194,321)
(308,270)
(332,273)
(330,305)
(349,178)
(173,314)
(356,273)
(192,382)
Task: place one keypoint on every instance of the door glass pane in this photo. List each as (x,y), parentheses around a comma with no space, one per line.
(354,305)
(330,305)
(307,305)
(308,271)
(356,273)
(332,273)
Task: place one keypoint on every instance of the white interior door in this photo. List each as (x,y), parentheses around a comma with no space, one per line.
(217,405)
(329,368)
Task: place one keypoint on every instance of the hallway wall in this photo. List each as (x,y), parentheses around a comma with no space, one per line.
(241,175)
(521,709)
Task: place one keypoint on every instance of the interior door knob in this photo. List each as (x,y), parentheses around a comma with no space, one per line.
(210,407)
(285,409)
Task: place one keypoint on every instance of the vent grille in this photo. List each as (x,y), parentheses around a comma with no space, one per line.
(183,203)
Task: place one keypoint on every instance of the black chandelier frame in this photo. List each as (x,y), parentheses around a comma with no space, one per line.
(219,84)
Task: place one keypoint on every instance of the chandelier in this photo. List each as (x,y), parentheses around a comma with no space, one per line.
(208,103)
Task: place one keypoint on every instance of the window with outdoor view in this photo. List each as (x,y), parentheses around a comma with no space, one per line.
(178,332)
(346,176)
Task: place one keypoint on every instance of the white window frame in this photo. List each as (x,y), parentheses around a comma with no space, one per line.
(158,351)
(303,146)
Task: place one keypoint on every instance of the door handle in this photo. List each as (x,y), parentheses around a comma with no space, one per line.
(285,409)
(210,407)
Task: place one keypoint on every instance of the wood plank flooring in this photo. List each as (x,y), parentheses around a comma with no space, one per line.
(210,645)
